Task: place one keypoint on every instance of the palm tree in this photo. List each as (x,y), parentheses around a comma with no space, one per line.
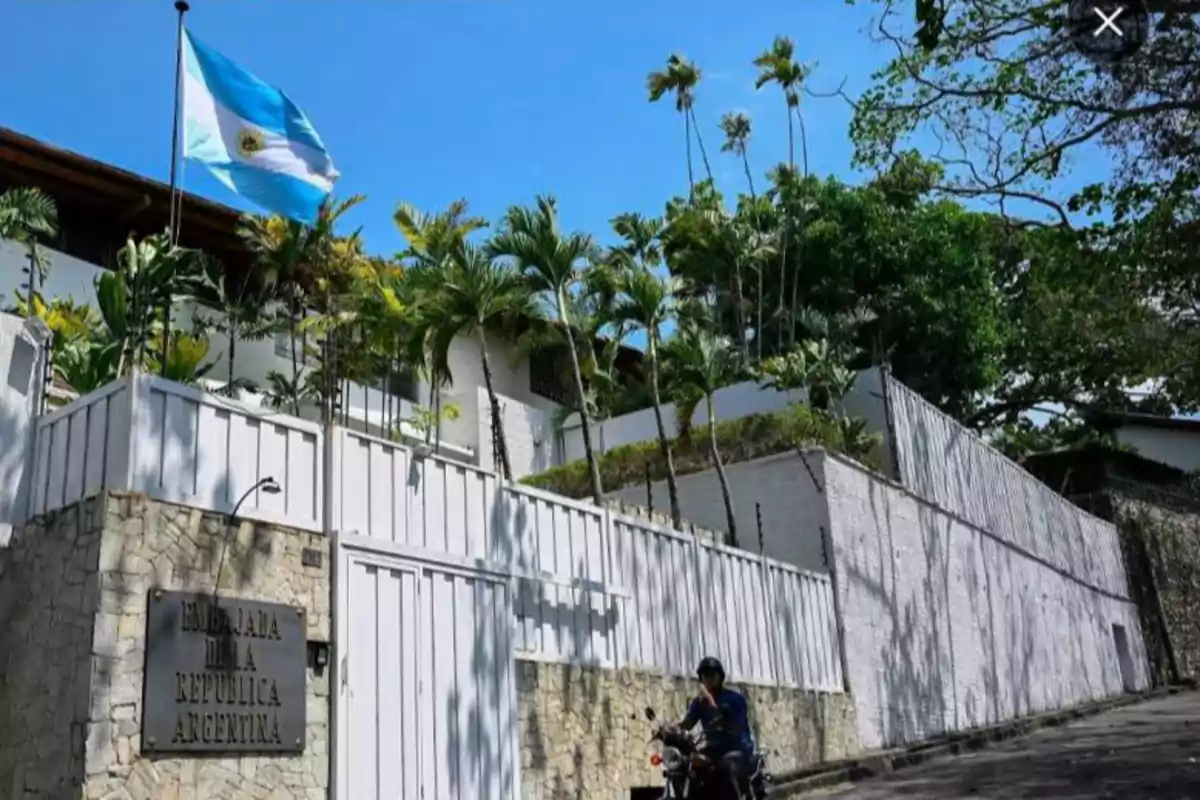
(698,362)
(778,65)
(25,214)
(289,254)
(432,238)
(478,293)
(681,77)
(149,273)
(646,302)
(552,262)
(241,318)
(736,126)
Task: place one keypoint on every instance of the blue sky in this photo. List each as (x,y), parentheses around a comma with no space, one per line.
(429,100)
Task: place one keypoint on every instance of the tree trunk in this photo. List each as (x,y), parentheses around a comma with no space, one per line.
(434,397)
(740,310)
(497,420)
(295,363)
(749,177)
(700,141)
(803,224)
(787,230)
(664,444)
(758,334)
(687,130)
(732,539)
(584,418)
(232,355)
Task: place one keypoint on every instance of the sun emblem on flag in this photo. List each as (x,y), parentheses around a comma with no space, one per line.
(250,142)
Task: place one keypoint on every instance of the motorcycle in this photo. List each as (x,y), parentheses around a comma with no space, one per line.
(688,774)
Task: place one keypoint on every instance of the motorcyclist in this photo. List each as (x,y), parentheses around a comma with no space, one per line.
(724,717)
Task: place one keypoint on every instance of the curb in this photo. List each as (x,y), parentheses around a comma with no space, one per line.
(884,762)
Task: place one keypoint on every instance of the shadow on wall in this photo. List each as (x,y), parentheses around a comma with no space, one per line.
(972,632)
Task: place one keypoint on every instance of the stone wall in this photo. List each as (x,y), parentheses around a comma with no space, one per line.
(584,733)
(49,593)
(1162,531)
(78,622)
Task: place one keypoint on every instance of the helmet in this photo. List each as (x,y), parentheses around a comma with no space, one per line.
(708,666)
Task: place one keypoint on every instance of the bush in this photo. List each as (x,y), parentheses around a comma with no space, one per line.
(744,439)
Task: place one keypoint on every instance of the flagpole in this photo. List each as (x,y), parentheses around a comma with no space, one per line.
(173,220)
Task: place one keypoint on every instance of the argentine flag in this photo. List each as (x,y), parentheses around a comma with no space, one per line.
(251,136)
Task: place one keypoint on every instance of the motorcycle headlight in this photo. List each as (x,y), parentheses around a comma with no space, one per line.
(672,759)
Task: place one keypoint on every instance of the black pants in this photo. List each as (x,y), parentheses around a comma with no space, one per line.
(735,765)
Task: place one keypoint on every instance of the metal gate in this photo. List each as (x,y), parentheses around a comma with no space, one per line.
(425,702)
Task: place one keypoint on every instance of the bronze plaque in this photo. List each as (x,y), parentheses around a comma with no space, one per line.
(223,675)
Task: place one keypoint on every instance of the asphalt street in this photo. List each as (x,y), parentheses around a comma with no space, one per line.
(1147,750)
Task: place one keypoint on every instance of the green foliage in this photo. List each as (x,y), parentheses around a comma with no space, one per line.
(1109,296)
(27,215)
(739,440)
(425,420)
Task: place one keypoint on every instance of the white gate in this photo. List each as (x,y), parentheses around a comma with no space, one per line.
(426,704)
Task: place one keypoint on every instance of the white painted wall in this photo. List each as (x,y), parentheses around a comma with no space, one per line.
(1177,448)
(949,466)
(68,276)
(181,445)
(865,400)
(21,364)
(793,512)
(948,627)
(528,432)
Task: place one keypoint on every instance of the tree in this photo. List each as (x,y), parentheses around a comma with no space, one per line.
(681,78)
(929,272)
(149,274)
(25,215)
(778,65)
(431,238)
(736,126)
(698,362)
(1003,88)
(239,303)
(647,302)
(552,261)
(478,293)
(289,255)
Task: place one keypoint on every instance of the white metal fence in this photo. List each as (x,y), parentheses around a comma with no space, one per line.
(593,586)
(947,464)
(180,445)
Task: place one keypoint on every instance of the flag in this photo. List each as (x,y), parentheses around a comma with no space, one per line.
(251,136)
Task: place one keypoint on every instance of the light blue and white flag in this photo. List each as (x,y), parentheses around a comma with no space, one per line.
(251,136)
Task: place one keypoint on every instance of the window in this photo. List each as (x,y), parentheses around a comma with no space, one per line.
(546,376)
(401,383)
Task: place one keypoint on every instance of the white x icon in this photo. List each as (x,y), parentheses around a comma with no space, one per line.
(1108,21)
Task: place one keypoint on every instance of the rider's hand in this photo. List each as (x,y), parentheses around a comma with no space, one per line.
(706,697)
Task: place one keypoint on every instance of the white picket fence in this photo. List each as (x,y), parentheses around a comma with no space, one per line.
(593,586)
(181,445)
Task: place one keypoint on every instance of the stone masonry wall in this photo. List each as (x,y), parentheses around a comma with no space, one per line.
(584,733)
(1167,531)
(49,592)
(131,545)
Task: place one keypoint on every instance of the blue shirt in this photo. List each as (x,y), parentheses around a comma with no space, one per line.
(726,727)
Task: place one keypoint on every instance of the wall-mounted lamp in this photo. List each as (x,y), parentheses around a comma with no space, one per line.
(267,484)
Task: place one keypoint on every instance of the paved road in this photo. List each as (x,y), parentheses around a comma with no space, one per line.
(1149,750)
